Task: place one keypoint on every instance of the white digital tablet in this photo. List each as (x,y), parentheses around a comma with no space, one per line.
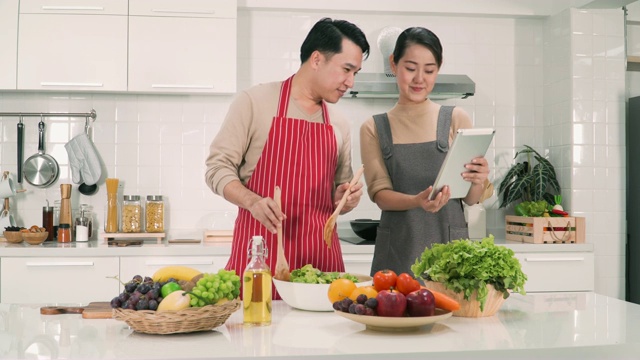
(468,144)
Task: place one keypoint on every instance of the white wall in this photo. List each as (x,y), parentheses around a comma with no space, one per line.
(157,143)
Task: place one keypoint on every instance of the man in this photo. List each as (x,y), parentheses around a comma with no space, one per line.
(284,134)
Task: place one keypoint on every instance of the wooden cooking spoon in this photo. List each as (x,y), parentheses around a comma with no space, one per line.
(331,222)
(282,266)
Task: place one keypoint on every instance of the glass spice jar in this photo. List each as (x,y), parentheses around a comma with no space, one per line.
(154,214)
(131,214)
(64,233)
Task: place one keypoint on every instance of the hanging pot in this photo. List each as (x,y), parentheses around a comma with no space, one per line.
(41,170)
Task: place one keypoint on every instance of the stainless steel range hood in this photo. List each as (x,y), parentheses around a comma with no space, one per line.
(380,85)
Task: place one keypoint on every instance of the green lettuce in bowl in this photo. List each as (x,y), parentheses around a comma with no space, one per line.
(465,266)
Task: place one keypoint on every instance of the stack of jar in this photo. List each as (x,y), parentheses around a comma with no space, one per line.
(132,211)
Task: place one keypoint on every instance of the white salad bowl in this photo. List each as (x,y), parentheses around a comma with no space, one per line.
(311,297)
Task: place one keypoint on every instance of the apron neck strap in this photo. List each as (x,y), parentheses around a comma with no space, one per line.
(285,95)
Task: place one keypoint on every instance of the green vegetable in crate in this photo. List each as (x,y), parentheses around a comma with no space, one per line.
(466,266)
(531,208)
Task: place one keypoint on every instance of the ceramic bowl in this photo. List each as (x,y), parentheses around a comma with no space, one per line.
(311,297)
(14,237)
(35,238)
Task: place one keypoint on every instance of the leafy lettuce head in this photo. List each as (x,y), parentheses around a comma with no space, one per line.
(466,266)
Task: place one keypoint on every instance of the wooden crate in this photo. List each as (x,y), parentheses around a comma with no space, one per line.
(545,230)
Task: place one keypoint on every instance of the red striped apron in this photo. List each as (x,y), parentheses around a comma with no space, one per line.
(299,156)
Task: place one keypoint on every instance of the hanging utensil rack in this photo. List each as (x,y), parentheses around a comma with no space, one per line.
(92,114)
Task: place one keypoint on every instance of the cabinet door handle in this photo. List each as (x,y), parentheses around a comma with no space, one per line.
(60,263)
(184,11)
(60,7)
(70,84)
(553,259)
(179,86)
(165,263)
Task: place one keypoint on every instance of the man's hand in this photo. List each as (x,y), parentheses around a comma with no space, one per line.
(266,211)
(352,199)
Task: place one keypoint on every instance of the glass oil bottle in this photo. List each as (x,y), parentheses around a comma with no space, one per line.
(256,287)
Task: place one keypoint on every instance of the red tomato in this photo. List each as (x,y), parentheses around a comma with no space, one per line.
(406,283)
(384,279)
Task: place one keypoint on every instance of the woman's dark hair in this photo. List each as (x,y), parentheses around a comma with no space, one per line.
(326,37)
(419,36)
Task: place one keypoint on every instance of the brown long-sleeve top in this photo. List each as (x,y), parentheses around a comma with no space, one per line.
(236,149)
(414,123)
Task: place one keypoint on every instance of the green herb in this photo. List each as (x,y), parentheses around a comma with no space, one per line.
(467,266)
(531,208)
(310,275)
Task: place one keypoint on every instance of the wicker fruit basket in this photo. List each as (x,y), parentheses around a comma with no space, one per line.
(173,322)
(471,307)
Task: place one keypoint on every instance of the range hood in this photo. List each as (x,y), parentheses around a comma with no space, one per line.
(383,84)
(380,85)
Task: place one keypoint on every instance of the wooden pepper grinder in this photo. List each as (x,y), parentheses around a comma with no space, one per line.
(65,204)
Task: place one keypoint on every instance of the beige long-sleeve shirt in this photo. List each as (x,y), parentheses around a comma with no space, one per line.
(414,123)
(236,149)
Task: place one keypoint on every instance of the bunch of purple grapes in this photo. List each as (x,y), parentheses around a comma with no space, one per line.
(139,294)
(362,306)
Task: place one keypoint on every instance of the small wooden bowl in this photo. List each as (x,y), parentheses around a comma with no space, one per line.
(14,237)
(35,238)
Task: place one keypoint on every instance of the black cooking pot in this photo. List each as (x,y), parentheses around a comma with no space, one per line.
(365,228)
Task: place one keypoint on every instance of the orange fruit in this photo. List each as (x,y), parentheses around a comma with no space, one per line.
(340,289)
(370,291)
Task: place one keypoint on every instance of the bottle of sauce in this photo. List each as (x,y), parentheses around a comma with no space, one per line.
(47,221)
(256,288)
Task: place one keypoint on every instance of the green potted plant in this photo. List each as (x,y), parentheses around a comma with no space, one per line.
(530,181)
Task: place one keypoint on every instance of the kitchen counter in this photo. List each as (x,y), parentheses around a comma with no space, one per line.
(558,325)
(163,247)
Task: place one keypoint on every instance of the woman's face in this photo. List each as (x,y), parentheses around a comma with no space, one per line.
(416,74)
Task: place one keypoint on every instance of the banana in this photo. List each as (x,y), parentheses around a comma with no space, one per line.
(177,272)
(175,301)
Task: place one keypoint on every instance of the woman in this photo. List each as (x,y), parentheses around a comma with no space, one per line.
(402,151)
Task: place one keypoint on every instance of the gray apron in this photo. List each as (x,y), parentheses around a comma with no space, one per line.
(403,235)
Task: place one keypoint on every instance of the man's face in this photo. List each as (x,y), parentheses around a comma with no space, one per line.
(335,75)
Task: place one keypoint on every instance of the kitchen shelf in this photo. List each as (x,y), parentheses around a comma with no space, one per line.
(633,63)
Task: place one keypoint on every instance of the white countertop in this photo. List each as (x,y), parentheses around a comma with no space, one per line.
(163,248)
(562,325)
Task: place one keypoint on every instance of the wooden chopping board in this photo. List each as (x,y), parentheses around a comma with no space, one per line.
(95,310)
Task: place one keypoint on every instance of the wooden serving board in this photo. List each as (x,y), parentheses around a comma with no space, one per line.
(95,310)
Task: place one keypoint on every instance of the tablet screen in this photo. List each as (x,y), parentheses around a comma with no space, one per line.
(468,144)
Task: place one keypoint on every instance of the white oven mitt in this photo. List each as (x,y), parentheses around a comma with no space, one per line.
(83,160)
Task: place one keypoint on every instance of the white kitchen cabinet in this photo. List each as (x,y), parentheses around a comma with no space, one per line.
(182,47)
(148,265)
(357,263)
(72,45)
(558,271)
(8,43)
(57,280)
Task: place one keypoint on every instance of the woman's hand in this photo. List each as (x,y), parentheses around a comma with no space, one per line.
(478,171)
(353,199)
(437,203)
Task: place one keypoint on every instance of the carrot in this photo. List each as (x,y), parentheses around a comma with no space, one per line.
(443,301)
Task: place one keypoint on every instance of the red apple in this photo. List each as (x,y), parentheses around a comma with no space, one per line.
(391,303)
(421,303)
